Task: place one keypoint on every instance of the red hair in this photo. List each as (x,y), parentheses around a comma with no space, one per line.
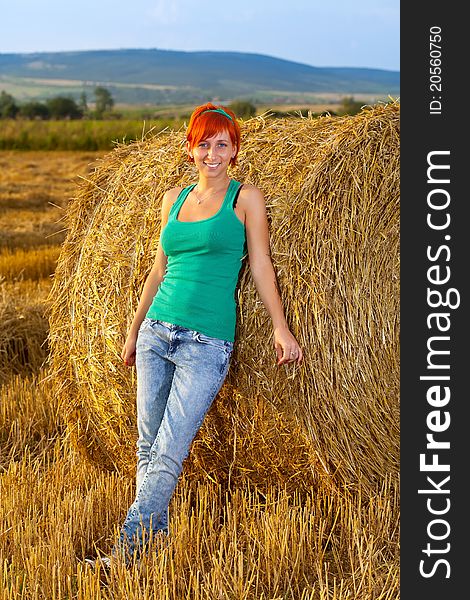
(203,125)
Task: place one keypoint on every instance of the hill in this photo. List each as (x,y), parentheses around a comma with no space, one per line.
(169,76)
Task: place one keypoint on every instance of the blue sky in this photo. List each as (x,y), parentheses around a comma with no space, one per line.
(321,33)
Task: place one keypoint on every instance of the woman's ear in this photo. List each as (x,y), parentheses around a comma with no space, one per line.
(188,148)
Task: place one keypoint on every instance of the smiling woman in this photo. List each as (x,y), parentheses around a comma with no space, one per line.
(182,335)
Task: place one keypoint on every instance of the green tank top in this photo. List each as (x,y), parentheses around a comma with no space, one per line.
(204,261)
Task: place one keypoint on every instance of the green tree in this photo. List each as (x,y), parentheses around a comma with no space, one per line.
(34,110)
(243,108)
(82,103)
(62,107)
(8,106)
(349,106)
(103,101)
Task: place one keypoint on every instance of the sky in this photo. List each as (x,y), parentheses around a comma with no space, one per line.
(321,33)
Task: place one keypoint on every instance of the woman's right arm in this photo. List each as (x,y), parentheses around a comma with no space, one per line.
(154,278)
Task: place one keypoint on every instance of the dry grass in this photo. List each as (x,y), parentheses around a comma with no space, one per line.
(30,423)
(23,334)
(35,188)
(35,264)
(234,544)
(332,190)
(29,228)
(34,191)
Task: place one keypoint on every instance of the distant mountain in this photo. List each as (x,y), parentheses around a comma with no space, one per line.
(168,76)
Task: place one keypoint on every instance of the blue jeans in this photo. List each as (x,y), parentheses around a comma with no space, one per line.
(179,373)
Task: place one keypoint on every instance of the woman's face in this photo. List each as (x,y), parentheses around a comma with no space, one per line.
(212,155)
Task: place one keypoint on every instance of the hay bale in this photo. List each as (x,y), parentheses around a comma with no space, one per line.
(332,191)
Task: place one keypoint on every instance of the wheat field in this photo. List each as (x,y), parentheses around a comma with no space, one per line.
(228,542)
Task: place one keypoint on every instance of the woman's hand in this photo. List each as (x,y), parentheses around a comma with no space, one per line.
(287,348)
(128,351)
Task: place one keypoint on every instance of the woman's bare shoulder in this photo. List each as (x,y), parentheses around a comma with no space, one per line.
(248,189)
(169,198)
(251,196)
(170,195)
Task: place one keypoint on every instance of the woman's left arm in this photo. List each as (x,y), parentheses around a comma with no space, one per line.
(262,270)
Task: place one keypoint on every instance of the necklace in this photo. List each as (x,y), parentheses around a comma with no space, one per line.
(199,200)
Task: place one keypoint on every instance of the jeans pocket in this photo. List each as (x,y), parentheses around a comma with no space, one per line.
(212,341)
(145,323)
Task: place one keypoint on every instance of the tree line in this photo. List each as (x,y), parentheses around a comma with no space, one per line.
(58,107)
(346,106)
(65,108)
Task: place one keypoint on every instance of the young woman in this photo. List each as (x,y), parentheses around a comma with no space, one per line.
(182,335)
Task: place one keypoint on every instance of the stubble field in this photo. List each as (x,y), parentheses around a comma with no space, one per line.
(267,543)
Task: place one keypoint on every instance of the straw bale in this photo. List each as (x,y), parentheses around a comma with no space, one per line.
(332,193)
